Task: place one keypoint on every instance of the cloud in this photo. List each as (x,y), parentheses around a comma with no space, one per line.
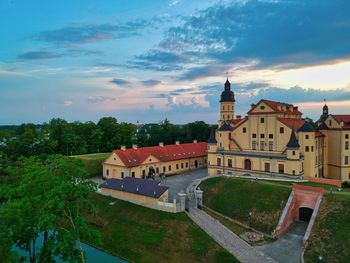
(67,103)
(258,34)
(87,33)
(158,60)
(150,82)
(120,82)
(100,99)
(35,55)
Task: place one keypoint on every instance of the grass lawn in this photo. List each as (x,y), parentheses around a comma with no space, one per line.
(330,235)
(235,198)
(145,235)
(93,162)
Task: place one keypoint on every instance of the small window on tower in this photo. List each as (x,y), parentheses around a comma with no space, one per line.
(262,120)
(281,130)
(244,130)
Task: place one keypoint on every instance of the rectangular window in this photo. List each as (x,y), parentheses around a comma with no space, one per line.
(107,172)
(262,146)
(132,174)
(267,167)
(270,146)
(293,152)
(270,136)
(312,148)
(143,173)
(254,135)
(262,120)
(244,130)
(186,165)
(157,170)
(182,165)
(330,122)
(218,161)
(281,130)
(254,145)
(346,161)
(169,167)
(346,136)
(122,175)
(262,136)
(306,136)
(346,145)
(177,166)
(306,148)
(281,168)
(164,169)
(229,162)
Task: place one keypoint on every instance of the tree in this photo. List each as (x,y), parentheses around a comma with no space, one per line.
(50,199)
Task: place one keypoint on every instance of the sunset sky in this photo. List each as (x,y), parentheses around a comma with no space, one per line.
(148,60)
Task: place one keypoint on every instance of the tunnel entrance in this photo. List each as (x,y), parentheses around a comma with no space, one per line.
(305,214)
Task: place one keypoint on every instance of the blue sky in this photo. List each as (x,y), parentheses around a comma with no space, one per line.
(150,60)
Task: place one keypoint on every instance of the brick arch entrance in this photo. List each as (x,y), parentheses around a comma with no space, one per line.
(247,164)
(305,214)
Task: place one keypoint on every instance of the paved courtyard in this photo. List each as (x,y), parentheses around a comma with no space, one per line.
(179,182)
(288,248)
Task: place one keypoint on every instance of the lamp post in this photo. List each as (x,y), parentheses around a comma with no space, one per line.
(250,221)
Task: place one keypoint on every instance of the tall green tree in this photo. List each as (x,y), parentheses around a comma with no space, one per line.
(50,199)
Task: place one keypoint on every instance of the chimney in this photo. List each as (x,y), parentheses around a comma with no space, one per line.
(161,144)
(295,108)
(194,141)
(134,146)
(238,116)
(122,147)
(177,142)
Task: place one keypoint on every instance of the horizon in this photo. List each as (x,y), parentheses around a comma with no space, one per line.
(149,61)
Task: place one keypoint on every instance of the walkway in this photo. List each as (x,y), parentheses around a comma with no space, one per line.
(230,241)
(288,247)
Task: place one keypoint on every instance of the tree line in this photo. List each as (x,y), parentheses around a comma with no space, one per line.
(73,138)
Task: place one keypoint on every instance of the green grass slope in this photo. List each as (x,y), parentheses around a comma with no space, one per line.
(145,235)
(235,198)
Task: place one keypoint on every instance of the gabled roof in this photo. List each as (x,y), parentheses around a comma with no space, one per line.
(225,127)
(292,123)
(342,118)
(293,141)
(138,186)
(278,107)
(134,157)
(307,127)
(212,139)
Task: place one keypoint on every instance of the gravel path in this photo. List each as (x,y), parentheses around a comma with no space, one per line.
(230,241)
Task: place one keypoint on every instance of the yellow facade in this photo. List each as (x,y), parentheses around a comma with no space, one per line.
(113,167)
(262,143)
(127,196)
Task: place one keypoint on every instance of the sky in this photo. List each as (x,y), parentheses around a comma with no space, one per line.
(148,60)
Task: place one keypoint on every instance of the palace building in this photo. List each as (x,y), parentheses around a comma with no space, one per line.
(274,140)
(145,162)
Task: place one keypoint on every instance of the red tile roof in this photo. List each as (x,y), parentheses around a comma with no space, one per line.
(343,118)
(292,123)
(134,157)
(274,105)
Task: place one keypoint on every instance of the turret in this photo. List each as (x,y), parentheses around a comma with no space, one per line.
(227,101)
(293,147)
